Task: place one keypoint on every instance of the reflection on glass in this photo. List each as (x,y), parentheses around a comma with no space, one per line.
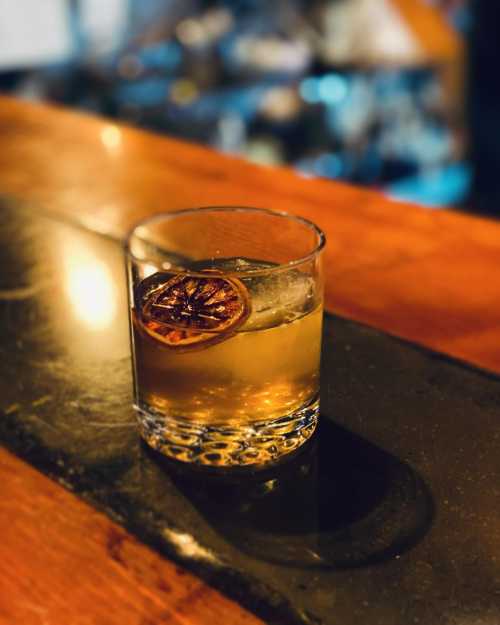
(150,269)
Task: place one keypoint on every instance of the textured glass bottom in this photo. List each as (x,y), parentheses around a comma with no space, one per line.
(225,446)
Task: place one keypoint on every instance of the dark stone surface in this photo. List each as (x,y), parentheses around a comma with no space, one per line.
(389,516)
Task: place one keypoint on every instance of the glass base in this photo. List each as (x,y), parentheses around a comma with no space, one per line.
(259,443)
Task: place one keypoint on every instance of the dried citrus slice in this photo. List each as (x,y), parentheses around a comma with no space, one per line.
(194,311)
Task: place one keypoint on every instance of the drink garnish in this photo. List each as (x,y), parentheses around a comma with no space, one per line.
(194,311)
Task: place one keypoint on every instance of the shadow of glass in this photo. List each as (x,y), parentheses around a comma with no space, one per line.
(341,502)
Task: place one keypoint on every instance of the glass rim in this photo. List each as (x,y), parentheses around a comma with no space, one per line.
(168,215)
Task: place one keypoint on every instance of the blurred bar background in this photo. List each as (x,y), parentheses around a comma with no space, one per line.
(373,92)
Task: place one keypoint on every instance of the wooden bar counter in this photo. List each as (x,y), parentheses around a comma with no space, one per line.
(393,271)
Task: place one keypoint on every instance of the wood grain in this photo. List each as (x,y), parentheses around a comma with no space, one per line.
(62,563)
(427,276)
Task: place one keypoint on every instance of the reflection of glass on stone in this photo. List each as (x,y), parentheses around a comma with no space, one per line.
(226,333)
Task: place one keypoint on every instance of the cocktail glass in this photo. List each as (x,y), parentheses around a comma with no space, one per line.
(226,309)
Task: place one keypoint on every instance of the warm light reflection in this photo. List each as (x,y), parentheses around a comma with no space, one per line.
(111,137)
(187,545)
(89,286)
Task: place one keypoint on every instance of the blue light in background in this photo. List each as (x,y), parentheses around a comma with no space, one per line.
(149,92)
(326,165)
(446,186)
(165,56)
(329,89)
(309,90)
(332,88)
(329,165)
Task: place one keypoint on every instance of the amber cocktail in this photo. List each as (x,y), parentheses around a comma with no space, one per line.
(226,329)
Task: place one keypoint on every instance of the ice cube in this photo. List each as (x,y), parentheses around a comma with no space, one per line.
(279,297)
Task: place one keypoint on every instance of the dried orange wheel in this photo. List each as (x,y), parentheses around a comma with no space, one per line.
(189,311)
